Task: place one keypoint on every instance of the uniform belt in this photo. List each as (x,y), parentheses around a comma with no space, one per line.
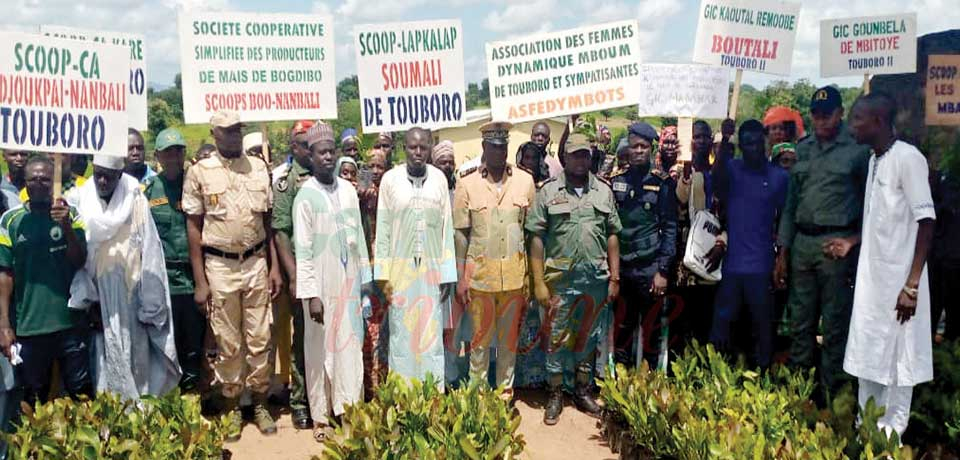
(234,255)
(819,230)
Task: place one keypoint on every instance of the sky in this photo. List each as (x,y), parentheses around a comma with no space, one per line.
(668,27)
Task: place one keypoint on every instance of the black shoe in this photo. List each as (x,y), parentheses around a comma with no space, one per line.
(554,407)
(583,399)
(301,419)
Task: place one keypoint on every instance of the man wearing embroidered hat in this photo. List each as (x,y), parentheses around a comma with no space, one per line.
(575,262)
(164,193)
(489,210)
(333,269)
(227,199)
(124,282)
(285,188)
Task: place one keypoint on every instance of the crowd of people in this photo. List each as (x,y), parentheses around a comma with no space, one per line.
(555,265)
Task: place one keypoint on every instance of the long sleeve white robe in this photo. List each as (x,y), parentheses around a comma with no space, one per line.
(879,348)
(414,253)
(333,265)
(125,272)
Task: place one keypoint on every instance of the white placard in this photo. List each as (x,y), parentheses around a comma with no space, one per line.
(756,35)
(265,66)
(63,96)
(561,73)
(137,85)
(684,90)
(410,74)
(869,45)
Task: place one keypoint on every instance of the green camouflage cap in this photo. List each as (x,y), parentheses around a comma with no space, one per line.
(168,138)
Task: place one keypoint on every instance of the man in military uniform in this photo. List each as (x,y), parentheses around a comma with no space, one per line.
(646,202)
(164,193)
(285,190)
(575,262)
(227,200)
(489,209)
(824,201)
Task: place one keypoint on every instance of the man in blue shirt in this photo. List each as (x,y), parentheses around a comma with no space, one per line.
(753,192)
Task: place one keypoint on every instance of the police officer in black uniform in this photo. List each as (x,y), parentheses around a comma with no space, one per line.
(646,201)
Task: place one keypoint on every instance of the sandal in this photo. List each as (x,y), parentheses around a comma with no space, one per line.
(321,433)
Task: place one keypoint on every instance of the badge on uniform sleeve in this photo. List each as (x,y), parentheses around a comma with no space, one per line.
(651,188)
(282,184)
(159,201)
(619,186)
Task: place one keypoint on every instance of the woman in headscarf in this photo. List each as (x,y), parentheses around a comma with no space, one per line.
(374,309)
(350,144)
(530,158)
(347,170)
(783,124)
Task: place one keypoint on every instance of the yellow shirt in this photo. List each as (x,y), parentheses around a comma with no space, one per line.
(232,195)
(496,258)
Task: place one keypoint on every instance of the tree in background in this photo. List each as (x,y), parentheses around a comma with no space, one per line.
(160,116)
(478,95)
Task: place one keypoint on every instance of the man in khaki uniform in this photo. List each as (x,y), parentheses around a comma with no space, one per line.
(227,199)
(489,208)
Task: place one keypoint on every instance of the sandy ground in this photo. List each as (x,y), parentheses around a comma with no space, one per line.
(575,437)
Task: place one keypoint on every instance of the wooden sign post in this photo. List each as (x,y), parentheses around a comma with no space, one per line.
(57,175)
(866,83)
(736,95)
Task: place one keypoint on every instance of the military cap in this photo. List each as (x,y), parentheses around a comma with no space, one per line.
(225,119)
(170,137)
(496,132)
(826,100)
(576,143)
(643,130)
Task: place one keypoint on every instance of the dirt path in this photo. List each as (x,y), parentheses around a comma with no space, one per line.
(575,437)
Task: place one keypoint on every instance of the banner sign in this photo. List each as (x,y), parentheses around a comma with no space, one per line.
(943,90)
(755,35)
(264,66)
(63,96)
(410,74)
(562,73)
(872,45)
(684,90)
(137,84)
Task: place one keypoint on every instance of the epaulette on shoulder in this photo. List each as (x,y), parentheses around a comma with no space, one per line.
(546,181)
(149,182)
(618,173)
(468,171)
(661,174)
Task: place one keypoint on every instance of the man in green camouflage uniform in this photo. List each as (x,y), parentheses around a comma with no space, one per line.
(575,263)
(285,190)
(164,193)
(824,202)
